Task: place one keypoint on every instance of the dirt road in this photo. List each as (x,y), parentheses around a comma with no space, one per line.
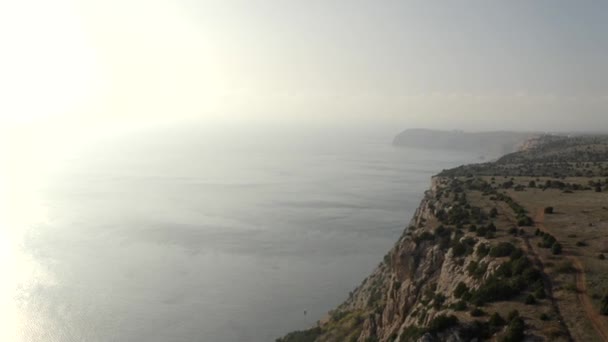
(600,323)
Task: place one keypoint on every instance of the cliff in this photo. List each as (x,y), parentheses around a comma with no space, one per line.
(479,261)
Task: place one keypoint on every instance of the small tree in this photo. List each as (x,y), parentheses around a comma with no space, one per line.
(515,330)
(496,320)
(604,306)
(530,300)
(556,248)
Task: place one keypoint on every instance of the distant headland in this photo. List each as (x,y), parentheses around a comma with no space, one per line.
(486,144)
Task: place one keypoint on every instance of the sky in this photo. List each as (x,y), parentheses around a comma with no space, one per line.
(478,65)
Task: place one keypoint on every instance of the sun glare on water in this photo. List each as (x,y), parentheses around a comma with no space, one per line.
(47,72)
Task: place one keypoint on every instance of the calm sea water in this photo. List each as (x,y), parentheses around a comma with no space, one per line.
(196,234)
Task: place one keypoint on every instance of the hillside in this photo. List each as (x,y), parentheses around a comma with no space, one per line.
(508,251)
(486,144)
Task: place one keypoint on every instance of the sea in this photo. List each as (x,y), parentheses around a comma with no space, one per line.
(201,233)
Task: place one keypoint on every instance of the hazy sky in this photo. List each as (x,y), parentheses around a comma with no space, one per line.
(444,64)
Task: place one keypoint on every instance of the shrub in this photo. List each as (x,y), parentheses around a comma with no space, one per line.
(601,256)
(515,330)
(482,250)
(524,221)
(496,320)
(477,270)
(477,312)
(540,293)
(502,249)
(303,336)
(460,289)
(549,210)
(604,305)
(412,333)
(460,305)
(495,289)
(556,248)
(544,317)
(438,301)
(517,253)
(581,244)
(459,249)
(530,300)
(425,236)
(475,331)
(441,323)
(531,274)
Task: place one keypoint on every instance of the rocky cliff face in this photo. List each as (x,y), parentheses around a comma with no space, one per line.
(438,269)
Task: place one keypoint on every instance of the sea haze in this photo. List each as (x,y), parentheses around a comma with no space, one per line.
(202,234)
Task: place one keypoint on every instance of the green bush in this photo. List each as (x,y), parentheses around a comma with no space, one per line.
(515,330)
(495,289)
(502,249)
(477,312)
(476,331)
(302,336)
(540,293)
(604,305)
(425,236)
(496,320)
(438,301)
(556,248)
(482,250)
(524,221)
(460,305)
(441,323)
(459,249)
(530,300)
(477,270)
(412,333)
(460,289)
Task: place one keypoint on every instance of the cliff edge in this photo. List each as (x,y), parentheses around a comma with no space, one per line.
(481,261)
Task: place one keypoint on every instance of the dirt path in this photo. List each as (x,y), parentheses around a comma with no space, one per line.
(538,263)
(599,322)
